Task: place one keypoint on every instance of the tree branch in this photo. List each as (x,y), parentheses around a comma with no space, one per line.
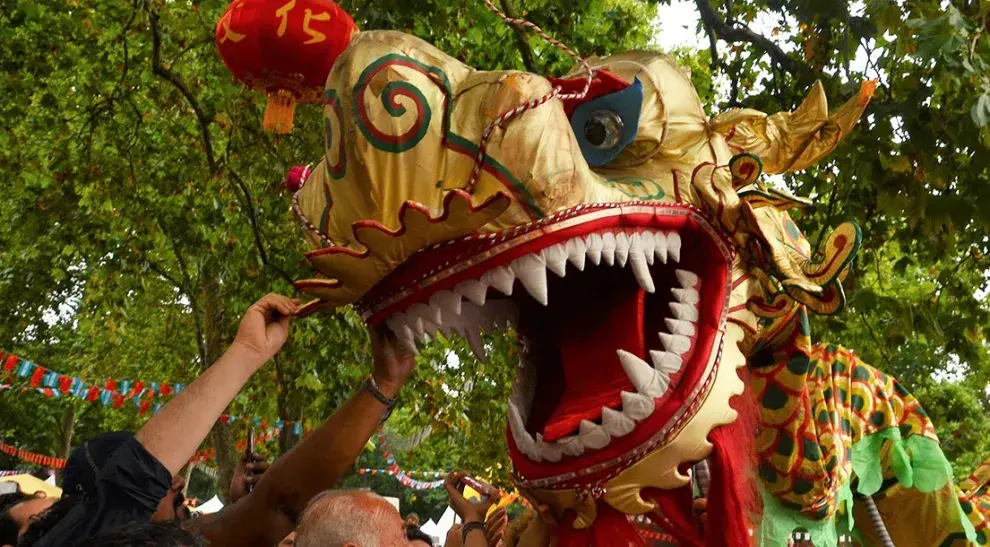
(253,219)
(522,40)
(732,32)
(164,73)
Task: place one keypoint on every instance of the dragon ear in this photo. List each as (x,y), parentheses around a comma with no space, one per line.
(791,141)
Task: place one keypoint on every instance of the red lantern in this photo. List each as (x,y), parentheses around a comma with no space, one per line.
(285,48)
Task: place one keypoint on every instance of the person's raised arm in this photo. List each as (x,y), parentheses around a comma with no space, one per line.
(317,463)
(174,433)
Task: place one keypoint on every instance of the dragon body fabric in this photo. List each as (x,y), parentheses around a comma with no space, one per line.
(659,290)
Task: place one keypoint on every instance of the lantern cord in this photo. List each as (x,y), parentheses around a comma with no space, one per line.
(556,92)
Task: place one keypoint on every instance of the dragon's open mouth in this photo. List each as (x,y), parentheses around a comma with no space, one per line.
(618,308)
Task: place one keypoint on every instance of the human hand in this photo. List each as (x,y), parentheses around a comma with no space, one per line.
(265,326)
(496,525)
(392,362)
(454,536)
(465,508)
(247,473)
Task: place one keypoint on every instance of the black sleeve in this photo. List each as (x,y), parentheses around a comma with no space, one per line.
(131,484)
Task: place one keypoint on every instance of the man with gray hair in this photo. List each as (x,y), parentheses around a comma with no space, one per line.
(350,518)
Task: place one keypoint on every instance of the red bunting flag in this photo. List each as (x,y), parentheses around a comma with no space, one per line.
(10,363)
(36,376)
(93,394)
(64,383)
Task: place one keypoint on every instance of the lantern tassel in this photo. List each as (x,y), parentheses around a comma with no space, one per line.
(279,111)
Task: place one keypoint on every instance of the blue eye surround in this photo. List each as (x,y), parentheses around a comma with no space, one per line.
(606,125)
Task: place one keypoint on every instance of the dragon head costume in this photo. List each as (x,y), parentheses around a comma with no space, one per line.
(651,278)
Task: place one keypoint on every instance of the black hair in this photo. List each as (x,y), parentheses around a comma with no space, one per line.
(158,534)
(414,533)
(48,520)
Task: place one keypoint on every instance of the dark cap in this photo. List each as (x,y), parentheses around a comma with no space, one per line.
(87,459)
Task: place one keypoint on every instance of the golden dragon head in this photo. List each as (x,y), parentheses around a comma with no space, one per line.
(624,235)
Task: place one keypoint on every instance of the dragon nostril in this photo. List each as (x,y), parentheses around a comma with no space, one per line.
(603,130)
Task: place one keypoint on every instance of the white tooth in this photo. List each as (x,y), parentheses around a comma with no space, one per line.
(473,290)
(675,343)
(648,244)
(446,301)
(647,380)
(684,312)
(639,267)
(594,244)
(522,437)
(639,372)
(549,451)
(500,278)
(674,246)
(676,326)
(686,279)
(428,314)
(556,258)
(576,250)
(608,248)
(666,361)
(621,249)
(687,296)
(570,446)
(592,435)
(660,249)
(473,337)
(531,270)
(636,405)
(615,423)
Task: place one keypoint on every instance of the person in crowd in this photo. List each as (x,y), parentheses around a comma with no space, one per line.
(416,537)
(118,478)
(270,512)
(145,534)
(351,518)
(471,532)
(248,472)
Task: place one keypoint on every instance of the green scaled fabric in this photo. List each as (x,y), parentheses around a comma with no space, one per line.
(917,462)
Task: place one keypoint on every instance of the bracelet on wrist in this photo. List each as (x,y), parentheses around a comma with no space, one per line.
(372,387)
(469,527)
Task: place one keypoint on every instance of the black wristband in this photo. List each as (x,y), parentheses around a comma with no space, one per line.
(468,526)
(371,387)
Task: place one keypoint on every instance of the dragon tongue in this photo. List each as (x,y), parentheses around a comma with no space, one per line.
(587,329)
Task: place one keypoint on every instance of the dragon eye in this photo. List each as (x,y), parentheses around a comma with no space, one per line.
(603,130)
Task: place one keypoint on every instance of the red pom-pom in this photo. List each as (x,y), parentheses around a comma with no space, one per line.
(296,177)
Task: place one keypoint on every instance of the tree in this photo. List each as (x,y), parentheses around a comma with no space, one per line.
(144,212)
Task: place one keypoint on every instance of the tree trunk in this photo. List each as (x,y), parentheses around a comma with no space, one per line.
(214,328)
(66,430)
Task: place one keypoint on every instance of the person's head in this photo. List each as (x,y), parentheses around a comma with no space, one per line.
(416,537)
(17,517)
(146,534)
(172,506)
(354,518)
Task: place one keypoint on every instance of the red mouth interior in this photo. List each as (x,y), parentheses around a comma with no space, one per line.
(574,339)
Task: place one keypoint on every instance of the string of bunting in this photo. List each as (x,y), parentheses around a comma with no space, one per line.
(32,457)
(114,393)
(400,475)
